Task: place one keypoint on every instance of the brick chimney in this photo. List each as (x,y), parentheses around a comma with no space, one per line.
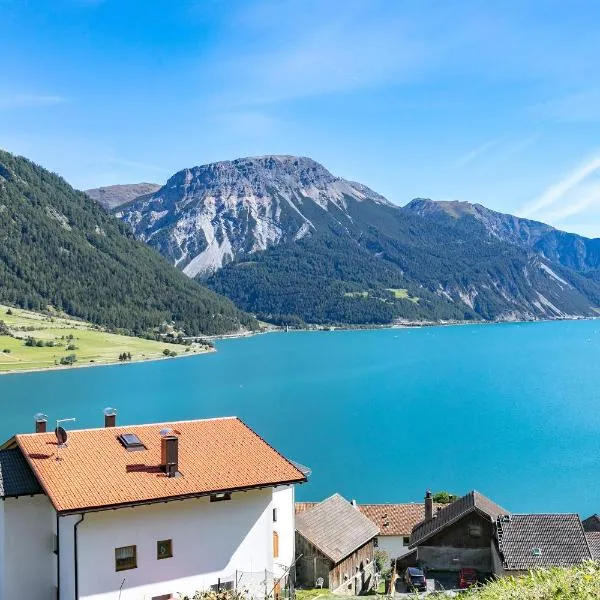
(40,422)
(110,416)
(428,506)
(169,454)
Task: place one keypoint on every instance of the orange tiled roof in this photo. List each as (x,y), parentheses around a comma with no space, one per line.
(392,519)
(96,471)
(395,519)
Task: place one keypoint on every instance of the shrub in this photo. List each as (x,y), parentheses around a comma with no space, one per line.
(30,341)
(444,497)
(49,344)
(6,350)
(166,352)
(575,583)
(172,354)
(4,330)
(72,347)
(68,360)
(9,312)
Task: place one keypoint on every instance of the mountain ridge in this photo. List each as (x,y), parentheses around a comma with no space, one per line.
(112,196)
(287,240)
(60,248)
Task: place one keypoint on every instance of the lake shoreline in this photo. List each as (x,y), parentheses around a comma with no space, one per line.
(105,364)
(374,327)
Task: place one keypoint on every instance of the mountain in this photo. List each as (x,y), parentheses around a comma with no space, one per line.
(207,216)
(113,196)
(569,249)
(58,247)
(289,241)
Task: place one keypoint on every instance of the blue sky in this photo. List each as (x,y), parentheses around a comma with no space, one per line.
(495,102)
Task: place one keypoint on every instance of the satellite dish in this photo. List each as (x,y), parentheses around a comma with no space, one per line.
(61,436)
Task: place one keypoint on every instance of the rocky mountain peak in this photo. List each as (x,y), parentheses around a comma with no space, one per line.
(208,215)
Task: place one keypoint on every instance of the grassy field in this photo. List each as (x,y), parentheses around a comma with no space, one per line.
(90,344)
(577,583)
(402,294)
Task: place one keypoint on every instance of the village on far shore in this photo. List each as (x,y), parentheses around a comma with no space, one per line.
(163,511)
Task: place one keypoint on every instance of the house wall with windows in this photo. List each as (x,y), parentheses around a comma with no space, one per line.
(27,543)
(394,545)
(284,528)
(210,540)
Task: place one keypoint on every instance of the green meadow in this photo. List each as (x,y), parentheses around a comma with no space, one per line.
(56,338)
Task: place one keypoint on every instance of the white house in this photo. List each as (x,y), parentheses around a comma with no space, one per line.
(145,511)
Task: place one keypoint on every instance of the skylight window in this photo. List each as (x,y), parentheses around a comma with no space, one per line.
(131,442)
(536,551)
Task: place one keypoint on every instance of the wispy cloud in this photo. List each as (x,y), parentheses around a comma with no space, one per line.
(18,100)
(561,188)
(585,198)
(478,151)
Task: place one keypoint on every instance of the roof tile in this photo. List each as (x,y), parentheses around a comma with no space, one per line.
(96,471)
(16,478)
(335,527)
(541,540)
(454,511)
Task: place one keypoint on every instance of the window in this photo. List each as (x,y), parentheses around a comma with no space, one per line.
(406,540)
(131,442)
(125,558)
(274,515)
(220,497)
(164,549)
(275,544)
(475,530)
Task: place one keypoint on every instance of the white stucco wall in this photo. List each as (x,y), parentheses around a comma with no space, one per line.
(210,540)
(67,562)
(283,502)
(392,544)
(28,557)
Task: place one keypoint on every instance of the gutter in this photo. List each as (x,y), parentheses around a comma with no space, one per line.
(75,556)
(179,497)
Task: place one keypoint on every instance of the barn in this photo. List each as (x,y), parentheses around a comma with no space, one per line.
(335,547)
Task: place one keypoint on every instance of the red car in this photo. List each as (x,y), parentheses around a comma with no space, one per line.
(467,578)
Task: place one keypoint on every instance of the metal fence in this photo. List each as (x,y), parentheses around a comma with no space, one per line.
(258,585)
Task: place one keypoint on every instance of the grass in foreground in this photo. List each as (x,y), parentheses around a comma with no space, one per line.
(90,344)
(576,583)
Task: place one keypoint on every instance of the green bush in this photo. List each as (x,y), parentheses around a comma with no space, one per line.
(68,360)
(6,350)
(576,583)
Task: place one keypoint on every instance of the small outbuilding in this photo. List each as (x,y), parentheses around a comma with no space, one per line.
(334,547)
(458,535)
(530,541)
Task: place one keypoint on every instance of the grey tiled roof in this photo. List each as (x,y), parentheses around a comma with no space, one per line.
(592,523)
(16,478)
(335,527)
(541,540)
(454,511)
(593,540)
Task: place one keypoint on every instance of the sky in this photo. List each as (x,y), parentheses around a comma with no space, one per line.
(494,102)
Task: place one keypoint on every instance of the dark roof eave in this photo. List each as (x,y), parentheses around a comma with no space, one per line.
(146,502)
(451,522)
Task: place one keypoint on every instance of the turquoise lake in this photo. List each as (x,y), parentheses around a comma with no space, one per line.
(511,410)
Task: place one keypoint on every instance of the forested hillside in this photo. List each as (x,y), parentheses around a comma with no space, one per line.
(289,241)
(58,247)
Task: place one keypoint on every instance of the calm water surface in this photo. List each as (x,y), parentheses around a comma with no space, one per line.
(510,410)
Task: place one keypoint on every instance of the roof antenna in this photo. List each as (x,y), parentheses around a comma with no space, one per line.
(61,435)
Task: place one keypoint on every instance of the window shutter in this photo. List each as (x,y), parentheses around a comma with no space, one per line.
(275,544)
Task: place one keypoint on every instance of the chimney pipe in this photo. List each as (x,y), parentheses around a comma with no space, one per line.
(353,502)
(169,454)
(428,506)
(40,422)
(110,416)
